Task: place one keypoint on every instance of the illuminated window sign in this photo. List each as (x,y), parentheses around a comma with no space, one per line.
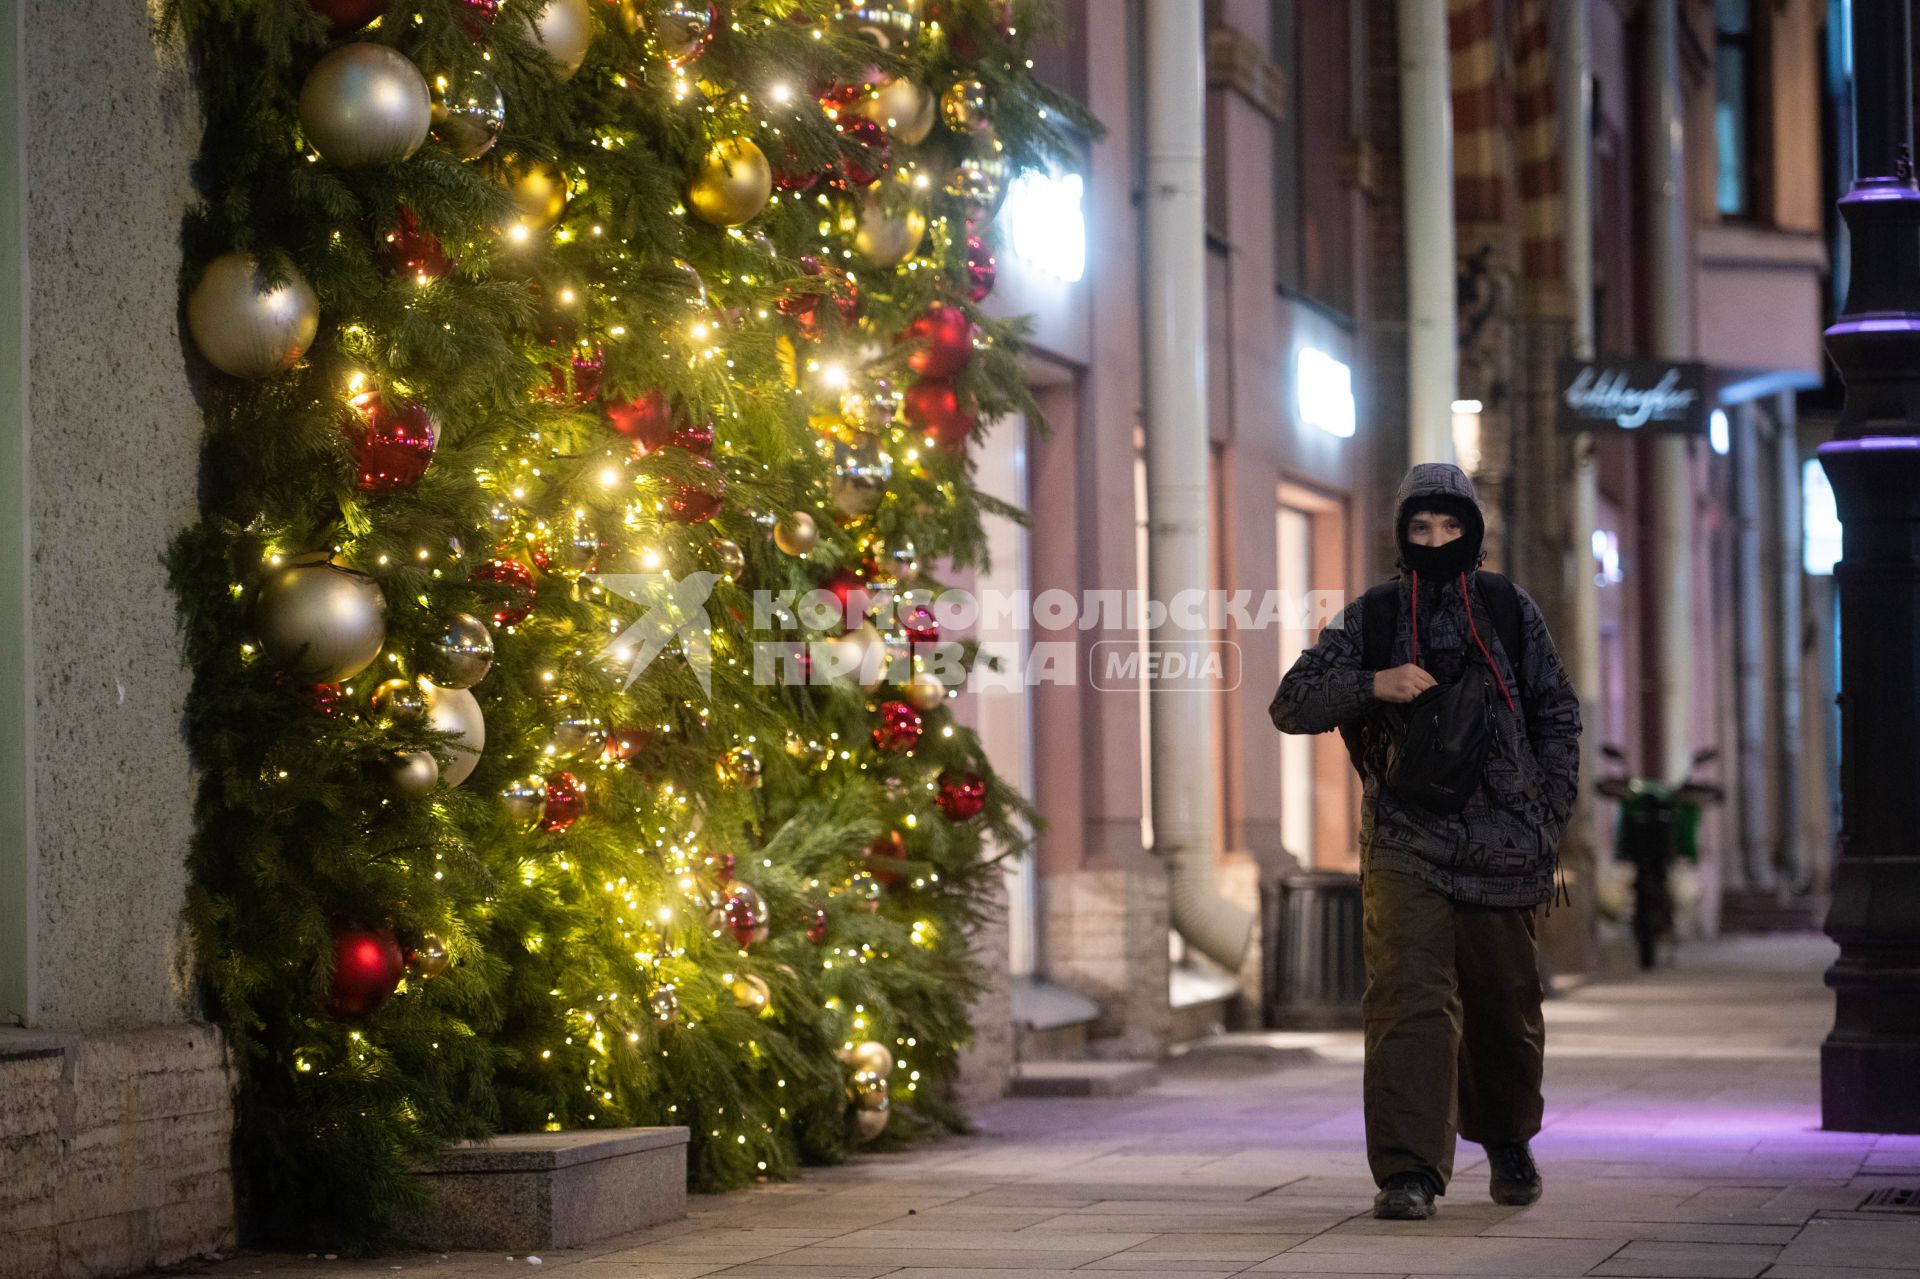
(1719,432)
(1044,224)
(1324,389)
(1819,519)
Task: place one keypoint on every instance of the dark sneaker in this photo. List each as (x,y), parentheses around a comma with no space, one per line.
(1407,1196)
(1514,1179)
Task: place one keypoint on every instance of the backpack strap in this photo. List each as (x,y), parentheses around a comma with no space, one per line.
(1503,605)
(1379,615)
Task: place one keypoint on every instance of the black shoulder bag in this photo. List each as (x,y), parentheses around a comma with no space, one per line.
(1438,744)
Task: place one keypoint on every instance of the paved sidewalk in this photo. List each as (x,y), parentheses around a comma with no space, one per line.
(1682,1139)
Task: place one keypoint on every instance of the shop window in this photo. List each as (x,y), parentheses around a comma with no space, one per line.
(1739,131)
(1313,42)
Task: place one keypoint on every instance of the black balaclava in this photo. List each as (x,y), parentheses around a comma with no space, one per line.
(1452,558)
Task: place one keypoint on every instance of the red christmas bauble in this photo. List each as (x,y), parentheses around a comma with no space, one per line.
(921,626)
(326,699)
(509,589)
(788,173)
(566,801)
(943,339)
(479,16)
(870,156)
(391,442)
(579,379)
(691,502)
(817,926)
(694,437)
(899,728)
(722,868)
(982,269)
(933,406)
(648,420)
(745,914)
(349,15)
(961,795)
(416,251)
(851,594)
(626,743)
(889,847)
(367,965)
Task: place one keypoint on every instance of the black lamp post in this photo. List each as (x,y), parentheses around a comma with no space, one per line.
(1871,1060)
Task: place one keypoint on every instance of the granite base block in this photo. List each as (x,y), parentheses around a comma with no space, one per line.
(525,1191)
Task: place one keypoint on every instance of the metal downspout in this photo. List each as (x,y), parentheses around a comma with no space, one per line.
(1184,762)
(1426,157)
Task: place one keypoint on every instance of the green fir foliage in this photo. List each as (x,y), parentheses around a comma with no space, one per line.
(589,983)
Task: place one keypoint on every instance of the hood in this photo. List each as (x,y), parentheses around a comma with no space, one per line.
(1426,481)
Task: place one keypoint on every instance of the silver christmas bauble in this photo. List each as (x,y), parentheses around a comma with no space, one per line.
(525,799)
(739,767)
(461,654)
(246,329)
(321,621)
(750,991)
(413,774)
(580,733)
(923,691)
(468,112)
(455,710)
(887,233)
(731,559)
(365,104)
(890,24)
(664,1003)
(564,29)
(861,472)
(862,654)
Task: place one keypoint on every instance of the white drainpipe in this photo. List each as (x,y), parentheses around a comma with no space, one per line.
(1184,761)
(1426,161)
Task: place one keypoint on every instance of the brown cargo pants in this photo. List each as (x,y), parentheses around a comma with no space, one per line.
(1454,1036)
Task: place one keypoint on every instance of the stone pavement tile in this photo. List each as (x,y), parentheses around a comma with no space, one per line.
(997,1260)
(1433,1255)
(1814,1198)
(1686,1260)
(778,1270)
(606,1268)
(717,1246)
(1272,1221)
(1221,1247)
(965,1216)
(1090,1191)
(1663,1231)
(1890,1245)
(972,1272)
(1836,1272)
(1892,1161)
(1099,1243)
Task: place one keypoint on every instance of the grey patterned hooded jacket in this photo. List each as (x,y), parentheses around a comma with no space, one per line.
(1503,849)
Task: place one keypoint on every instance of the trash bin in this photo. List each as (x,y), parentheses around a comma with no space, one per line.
(1311,945)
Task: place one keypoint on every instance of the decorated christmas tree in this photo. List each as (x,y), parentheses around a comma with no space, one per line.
(556,358)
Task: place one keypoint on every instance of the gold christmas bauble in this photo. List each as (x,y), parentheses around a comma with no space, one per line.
(739,767)
(795,533)
(365,104)
(751,992)
(887,234)
(432,958)
(248,330)
(872,1057)
(923,691)
(539,192)
(869,1124)
(564,29)
(902,108)
(398,703)
(733,183)
(964,107)
(862,653)
(455,710)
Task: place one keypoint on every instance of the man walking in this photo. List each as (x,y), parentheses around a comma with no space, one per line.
(1450,878)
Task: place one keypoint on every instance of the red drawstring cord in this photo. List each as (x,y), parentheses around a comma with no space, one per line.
(1416,617)
(1475,632)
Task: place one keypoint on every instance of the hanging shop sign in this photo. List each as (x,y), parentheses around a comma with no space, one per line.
(1670,396)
